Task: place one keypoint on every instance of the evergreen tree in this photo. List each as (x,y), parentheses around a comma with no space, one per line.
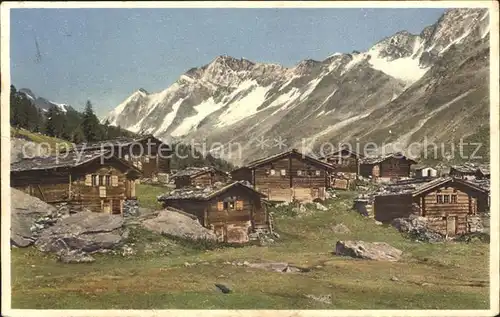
(106,130)
(78,136)
(90,124)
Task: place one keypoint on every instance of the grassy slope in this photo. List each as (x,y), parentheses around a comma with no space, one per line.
(37,138)
(456,274)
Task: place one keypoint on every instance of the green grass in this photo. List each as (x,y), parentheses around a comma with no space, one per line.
(39,138)
(147,194)
(431,276)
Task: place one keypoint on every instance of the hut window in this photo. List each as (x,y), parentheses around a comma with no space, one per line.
(220,206)
(102,191)
(127,157)
(283,172)
(108,180)
(318,173)
(239,205)
(88,180)
(299,173)
(146,159)
(446,199)
(439,199)
(102,181)
(114,180)
(453,199)
(272,172)
(95,180)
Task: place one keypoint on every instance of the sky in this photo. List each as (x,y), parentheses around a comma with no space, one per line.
(105,55)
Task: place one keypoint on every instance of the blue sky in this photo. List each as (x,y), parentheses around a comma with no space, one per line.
(104,55)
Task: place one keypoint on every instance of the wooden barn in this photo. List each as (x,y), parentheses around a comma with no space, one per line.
(147,153)
(95,180)
(287,176)
(199,176)
(232,210)
(451,205)
(389,167)
(344,162)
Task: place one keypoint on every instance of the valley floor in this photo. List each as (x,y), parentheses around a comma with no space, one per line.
(431,276)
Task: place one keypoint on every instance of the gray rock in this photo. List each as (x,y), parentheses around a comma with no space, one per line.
(327,299)
(281,267)
(379,251)
(131,208)
(85,231)
(321,207)
(416,228)
(26,211)
(74,256)
(175,224)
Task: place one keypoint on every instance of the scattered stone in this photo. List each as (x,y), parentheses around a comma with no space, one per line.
(416,228)
(281,267)
(130,208)
(246,263)
(227,263)
(74,256)
(327,299)
(394,278)
(128,251)
(379,251)
(169,222)
(187,264)
(378,223)
(340,228)
(321,207)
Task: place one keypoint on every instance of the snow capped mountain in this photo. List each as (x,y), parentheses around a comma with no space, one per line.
(43,103)
(343,97)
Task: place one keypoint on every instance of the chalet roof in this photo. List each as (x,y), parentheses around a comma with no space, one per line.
(68,160)
(472,168)
(418,186)
(278,156)
(205,193)
(379,159)
(195,171)
(419,167)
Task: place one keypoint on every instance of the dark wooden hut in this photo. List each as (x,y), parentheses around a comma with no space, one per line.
(199,176)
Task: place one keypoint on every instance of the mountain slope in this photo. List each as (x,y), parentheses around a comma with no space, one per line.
(403,89)
(43,103)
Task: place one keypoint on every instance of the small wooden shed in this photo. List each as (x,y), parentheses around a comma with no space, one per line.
(147,153)
(199,176)
(232,210)
(450,204)
(287,176)
(387,167)
(344,161)
(95,180)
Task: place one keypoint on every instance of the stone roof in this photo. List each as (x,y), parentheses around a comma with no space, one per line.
(195,171)
(205,193)
(472,168)
(70,159)
(271,158)
(379,159)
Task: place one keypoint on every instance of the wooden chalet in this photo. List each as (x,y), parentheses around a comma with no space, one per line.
(151,160)
(95,180)
(199,176)
(344,161)
(451,205)
(385,168)
(287,176)
(232,210)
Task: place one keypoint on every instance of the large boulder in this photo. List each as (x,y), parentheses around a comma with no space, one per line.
(26,212)
(173,223)
(416,227)
(379,251)
(85,231)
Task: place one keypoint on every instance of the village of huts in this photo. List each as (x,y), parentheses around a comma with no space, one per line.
(96,186)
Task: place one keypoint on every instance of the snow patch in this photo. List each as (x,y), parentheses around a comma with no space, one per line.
(406,69)
(169,118)
(356,59)
(204,109)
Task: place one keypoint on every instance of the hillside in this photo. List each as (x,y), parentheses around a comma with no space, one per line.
(181,276)
(406,88)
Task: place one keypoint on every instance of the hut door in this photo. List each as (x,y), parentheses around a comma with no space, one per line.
(451,225)
(117,206)
(376,171)
(106,207)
